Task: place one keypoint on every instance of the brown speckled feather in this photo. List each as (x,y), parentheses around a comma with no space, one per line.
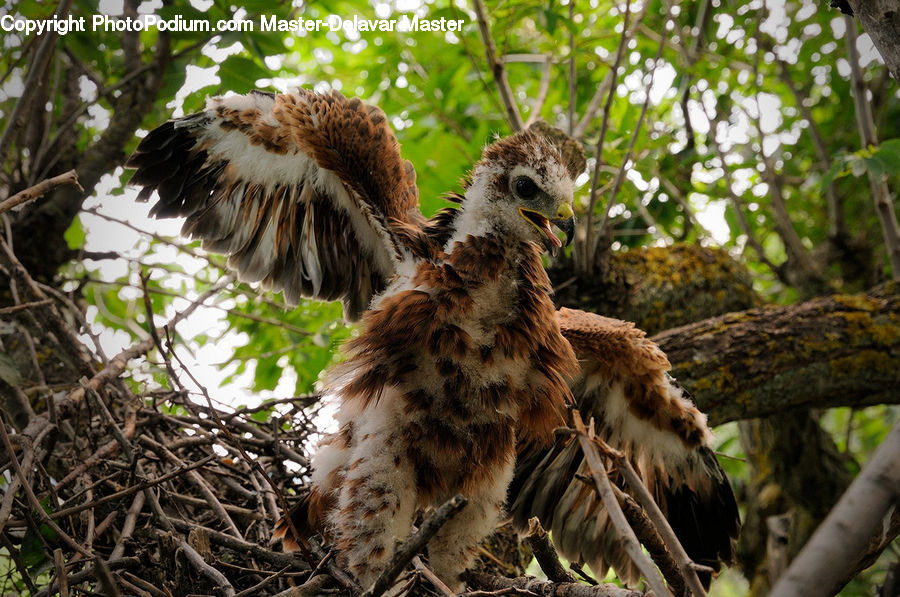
(305,192)
(638,408)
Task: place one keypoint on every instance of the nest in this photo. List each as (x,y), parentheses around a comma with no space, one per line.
(108,491)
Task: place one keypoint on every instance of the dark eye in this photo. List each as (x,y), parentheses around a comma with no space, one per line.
(525,187)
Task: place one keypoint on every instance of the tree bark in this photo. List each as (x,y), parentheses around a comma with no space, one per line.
(825,352)
(860,514)
(881,20)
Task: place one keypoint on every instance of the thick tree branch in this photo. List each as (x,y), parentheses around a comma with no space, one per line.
(859,514)
(829,351)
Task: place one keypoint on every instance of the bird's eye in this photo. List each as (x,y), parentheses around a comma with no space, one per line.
(525,187)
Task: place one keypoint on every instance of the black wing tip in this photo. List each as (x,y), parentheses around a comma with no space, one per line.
(707,522)
(165,161)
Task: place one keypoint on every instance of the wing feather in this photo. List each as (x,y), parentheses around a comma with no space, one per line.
(303,191)
(639,409)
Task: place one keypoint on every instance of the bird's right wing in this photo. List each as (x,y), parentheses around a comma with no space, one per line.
(304,192)
(638,409)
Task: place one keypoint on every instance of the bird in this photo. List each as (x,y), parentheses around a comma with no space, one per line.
(463,367)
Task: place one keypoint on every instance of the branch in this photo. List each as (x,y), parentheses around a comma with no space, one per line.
(544,88)
(738,207)
(30,194)
(32,81)
(837,228)
(531,586)
(642,495)
(416,543)
(846,531)
(604,237)
(604,488)
(594,105)
(797,254)
(881,195)
(881,20)
(500,79)
(825,352)
(545,554)
(612,77)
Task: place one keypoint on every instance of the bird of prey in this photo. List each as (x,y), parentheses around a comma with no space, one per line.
(463,367)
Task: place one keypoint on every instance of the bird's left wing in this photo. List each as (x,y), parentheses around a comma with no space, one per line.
(639,409)
(304,192)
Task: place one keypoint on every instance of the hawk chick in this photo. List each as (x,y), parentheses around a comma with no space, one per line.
(461,361)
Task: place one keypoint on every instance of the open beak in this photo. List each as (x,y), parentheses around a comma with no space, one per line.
(564,219)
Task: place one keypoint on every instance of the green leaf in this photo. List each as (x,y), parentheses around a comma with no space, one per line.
(240,74)
(75,235)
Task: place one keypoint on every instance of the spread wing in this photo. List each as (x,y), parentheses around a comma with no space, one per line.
(637,408)
(305,192)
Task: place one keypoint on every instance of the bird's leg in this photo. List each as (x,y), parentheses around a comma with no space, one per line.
(453,549)
(376,505)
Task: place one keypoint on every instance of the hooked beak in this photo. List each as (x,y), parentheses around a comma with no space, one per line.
(564,219)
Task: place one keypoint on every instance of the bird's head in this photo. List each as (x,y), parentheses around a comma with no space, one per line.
(523,188)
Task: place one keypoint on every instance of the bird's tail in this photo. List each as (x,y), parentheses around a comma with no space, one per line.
(303,520)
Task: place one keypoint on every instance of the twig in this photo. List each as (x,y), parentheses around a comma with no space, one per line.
(496,66)
(23,306)
(198,481)
(21,568)
(36,506)
(254,590)
(797,254)
(205,569)
(837,228)
(333,569)
(106,578)
(545,553)
(69,178)
(118,364)
(689,214)
(184,468)
(32,82)
(572,90)
(128,525)
(260,553)
(588,258)
(88,573)
(429,574)
(737,206)
(543,89)
(13,487)
(687,567)
(237,444)
(604,488)
(650,538)
(405,553)
(533,586)
(59,563)
(603,234)
(881,194)
(594,105)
